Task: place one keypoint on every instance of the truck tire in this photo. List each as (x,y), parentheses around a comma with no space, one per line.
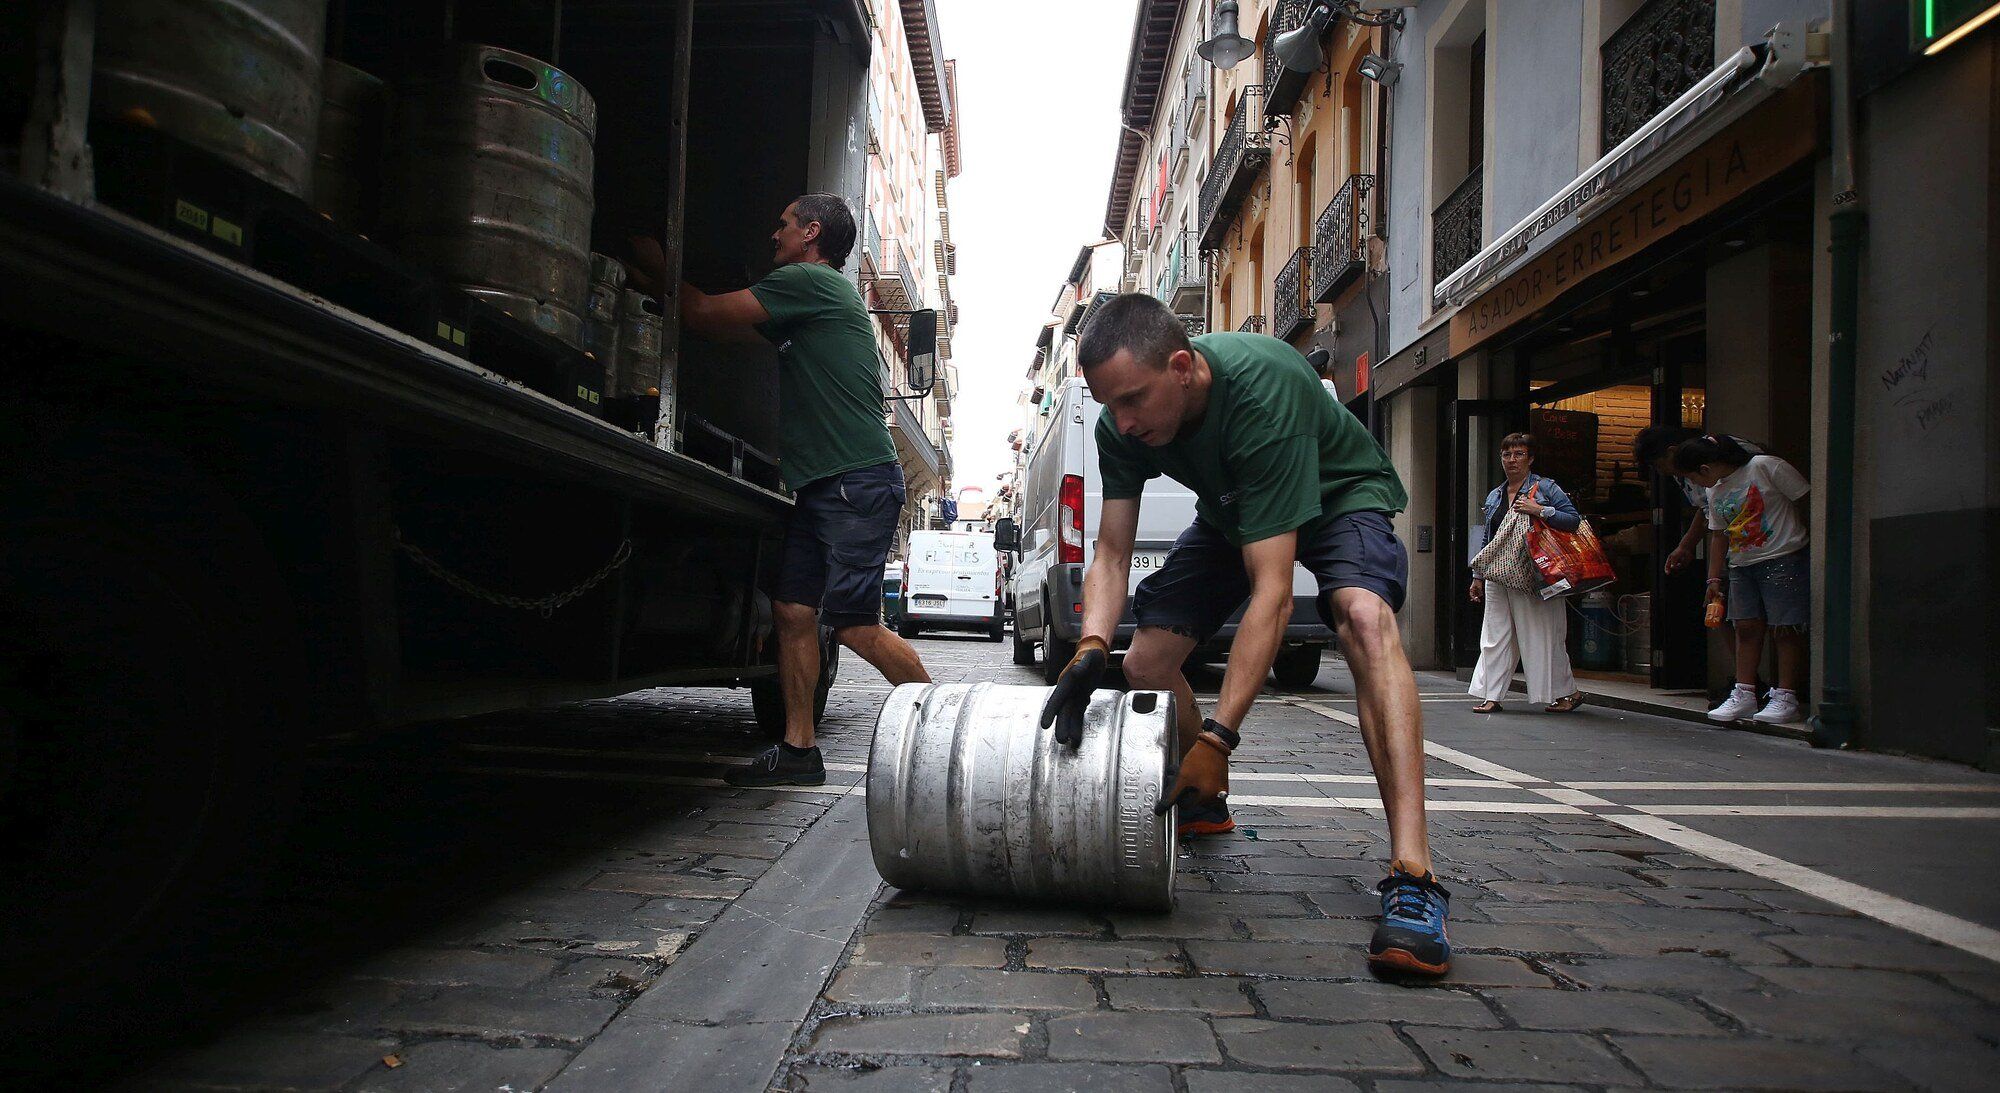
(1296,669)
(767,698)
(907,629)
(998,631)
(154,695)
(1055,656)
(1024,650)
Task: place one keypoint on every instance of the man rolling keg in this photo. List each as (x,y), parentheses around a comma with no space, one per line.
(1281,475)
(836,457)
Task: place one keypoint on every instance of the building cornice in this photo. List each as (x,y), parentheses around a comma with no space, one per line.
(1145,75)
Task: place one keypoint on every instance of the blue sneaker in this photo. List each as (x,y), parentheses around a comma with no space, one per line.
(1410,940)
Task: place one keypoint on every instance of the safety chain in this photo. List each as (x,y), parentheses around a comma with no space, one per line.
(545,606)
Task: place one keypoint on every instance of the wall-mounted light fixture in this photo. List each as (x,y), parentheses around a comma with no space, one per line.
(1381,69)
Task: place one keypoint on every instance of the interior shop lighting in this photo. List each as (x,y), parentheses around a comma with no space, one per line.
(1963,29)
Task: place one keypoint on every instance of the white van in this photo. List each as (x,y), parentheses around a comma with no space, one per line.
(1061,497)
(951,581)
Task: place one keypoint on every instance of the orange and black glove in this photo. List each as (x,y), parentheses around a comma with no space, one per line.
(1071,695)
(1204,771)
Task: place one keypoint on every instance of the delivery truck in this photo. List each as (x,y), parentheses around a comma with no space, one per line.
(327,410)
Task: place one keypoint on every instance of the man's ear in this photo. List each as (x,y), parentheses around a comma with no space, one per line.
(1181,362)
(810,229)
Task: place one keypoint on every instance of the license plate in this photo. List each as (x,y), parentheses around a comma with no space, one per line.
(1147,561)
(930,601)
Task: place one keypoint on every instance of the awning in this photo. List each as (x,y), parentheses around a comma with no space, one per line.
(1738,81)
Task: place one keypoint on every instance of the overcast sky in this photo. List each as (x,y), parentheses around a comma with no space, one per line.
(1038,84)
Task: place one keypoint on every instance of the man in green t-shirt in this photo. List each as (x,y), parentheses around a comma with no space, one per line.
(1281,475)
(836,456)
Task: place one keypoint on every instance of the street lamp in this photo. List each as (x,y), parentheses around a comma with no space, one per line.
(1228,48)
(1298,48)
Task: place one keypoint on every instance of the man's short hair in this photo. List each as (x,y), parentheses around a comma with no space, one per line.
(1655,441)
(1134,322)
(1519,440)
(836,225)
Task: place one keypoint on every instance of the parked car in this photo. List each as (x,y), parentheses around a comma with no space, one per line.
(1061,498)
(951,581)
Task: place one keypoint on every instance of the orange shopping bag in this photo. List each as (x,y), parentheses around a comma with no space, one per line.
(1570,562)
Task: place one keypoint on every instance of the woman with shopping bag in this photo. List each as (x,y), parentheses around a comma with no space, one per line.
(1521,626)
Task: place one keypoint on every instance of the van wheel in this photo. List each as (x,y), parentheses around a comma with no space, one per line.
(997,632)
(1296,669)
(907,629)
(1055,653)
(1024,650)
(767,696)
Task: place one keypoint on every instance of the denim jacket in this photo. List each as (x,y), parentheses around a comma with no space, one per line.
(1562,514)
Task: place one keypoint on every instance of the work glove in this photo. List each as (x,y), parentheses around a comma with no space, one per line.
(1204,771)
(1071,694)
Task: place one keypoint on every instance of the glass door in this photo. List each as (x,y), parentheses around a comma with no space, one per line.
(1476,426)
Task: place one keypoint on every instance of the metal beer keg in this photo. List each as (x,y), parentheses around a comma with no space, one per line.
(237,78)
(491,182)
(967,792)
(347,179)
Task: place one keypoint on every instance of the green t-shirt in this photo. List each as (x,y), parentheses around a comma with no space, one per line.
(1272,454)
(829,385)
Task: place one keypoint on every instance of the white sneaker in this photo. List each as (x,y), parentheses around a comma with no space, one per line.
(1782,708)
(1741,703)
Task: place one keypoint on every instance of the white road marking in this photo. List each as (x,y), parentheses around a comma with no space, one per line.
(1652,820)
(1860,812)
(1927,923)
(1545,808)
(1357,779)
(1477,765)
(1571,796)
(1789,787)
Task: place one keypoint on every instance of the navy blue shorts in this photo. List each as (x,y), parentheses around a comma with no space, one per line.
(839,537)
(1203,581)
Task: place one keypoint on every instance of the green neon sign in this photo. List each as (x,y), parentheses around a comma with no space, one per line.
(1936,24)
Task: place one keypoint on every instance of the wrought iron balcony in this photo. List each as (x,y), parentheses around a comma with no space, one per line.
(1283,87)
(1252,325)
(1665,48)
(871,249)
(1182,285)
(1194,85)
(1339,254)
(1291,315)
(909,425)
(895,285)
(1457,228)
(1196,325)
(1245,148)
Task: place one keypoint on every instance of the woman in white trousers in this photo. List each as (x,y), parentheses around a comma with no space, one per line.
(1521,627)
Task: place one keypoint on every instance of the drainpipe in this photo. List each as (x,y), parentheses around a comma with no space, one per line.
(1834,725)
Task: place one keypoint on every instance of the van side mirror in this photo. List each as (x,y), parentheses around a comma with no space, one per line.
(923,351)
(1006,536)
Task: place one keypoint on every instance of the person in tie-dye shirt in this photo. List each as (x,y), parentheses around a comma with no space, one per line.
(1757,526)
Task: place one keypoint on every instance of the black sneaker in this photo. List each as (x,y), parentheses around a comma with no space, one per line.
(780,765)
(1206,818)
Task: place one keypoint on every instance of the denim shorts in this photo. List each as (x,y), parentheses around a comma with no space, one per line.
(1203,581)
(839,537)
(1779,591)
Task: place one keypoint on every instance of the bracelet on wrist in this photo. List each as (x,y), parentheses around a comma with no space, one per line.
(1223,732)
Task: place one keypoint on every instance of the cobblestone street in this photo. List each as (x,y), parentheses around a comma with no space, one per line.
(571,900)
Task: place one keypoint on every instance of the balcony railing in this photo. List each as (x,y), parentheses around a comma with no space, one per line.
(1283,87)
(871,249)
(1338,250)
(1291,315)
(910,424)
(1187,283)
(1665,48)
(1196,325)
(1252,325)
(1245,148)
(1457,228)
(895,285)
(1194,85)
